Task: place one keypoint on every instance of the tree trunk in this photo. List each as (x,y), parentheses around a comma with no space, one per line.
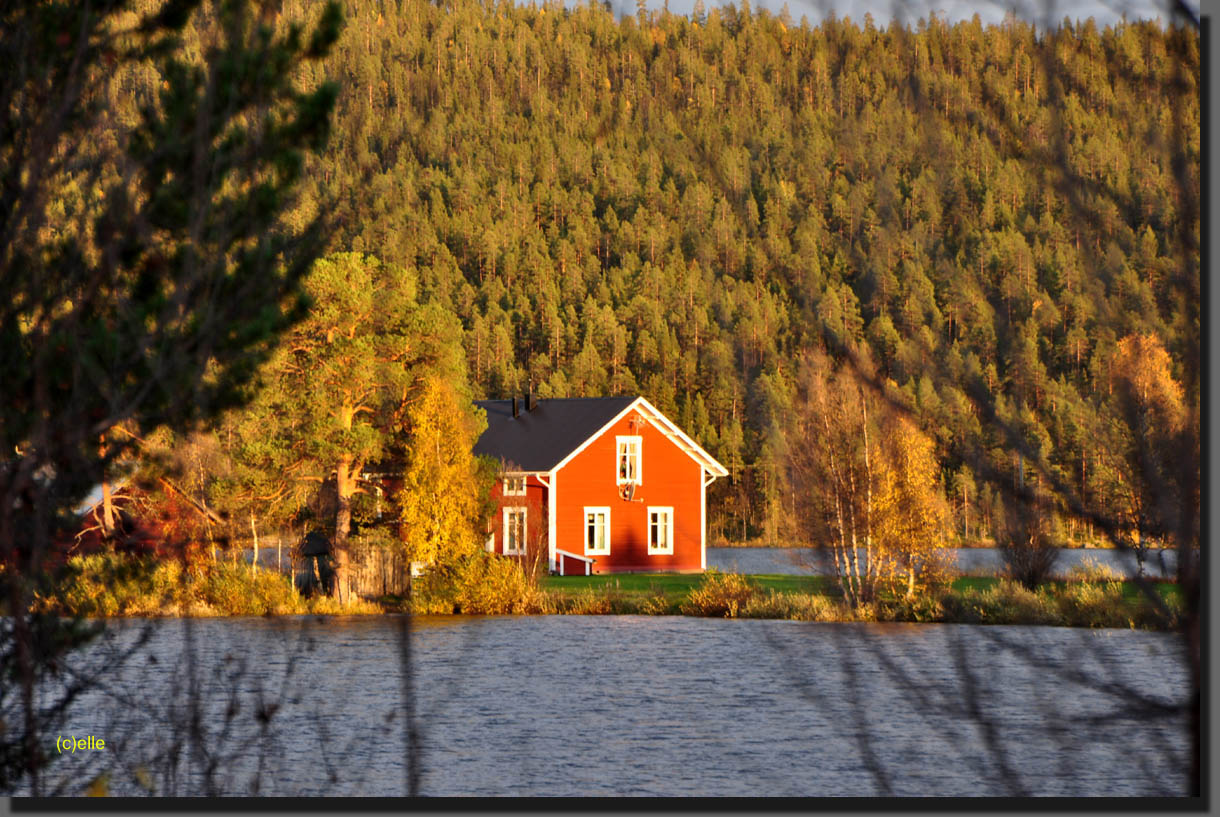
(965,515)
(343,524)
(863,587)
(107,511)
(868,492)
(107,499)
(211,539)
(254,532)
(842,567)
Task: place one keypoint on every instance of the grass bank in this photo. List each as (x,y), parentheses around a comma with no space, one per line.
(1083,602)
(110,585)
(788,544)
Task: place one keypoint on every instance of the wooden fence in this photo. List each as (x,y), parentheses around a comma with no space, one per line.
(379,571)
(374,571)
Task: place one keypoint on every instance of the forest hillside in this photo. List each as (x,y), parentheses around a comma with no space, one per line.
(685,207)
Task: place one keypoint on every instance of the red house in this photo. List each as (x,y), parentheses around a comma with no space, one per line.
(603,484)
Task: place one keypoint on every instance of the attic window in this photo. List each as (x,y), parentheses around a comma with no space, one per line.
(514,486)
(628,459)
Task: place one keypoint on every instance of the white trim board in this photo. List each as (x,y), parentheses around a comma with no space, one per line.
(552,522)
(576,556)
(705,481)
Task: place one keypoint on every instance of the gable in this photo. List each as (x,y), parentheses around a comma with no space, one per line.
(652,416)
(557,430)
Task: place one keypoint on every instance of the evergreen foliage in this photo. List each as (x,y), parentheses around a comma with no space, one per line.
(680,206)
(367,368)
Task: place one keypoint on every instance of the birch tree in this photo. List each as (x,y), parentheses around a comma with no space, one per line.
(869,484)
(912,515)
(832,471)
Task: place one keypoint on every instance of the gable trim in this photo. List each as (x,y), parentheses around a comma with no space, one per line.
(675,435)
(692,448)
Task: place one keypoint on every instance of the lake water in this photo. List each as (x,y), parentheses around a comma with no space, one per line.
(969,561)
(632,705)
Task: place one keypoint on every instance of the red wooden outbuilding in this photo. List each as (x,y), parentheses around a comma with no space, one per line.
(603,485)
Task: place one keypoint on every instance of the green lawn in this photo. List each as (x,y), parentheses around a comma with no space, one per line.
(679,583)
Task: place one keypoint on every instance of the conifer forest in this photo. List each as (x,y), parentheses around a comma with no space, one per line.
(1000,223)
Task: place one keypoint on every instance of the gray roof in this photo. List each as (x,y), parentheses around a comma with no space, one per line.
(538,440)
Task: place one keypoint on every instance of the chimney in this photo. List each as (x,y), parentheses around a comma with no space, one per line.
(515,410)
(529,398)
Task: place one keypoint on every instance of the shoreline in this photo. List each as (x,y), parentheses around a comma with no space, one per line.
(105,586)
(971,600)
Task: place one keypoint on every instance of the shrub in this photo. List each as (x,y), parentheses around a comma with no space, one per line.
(425,600)
(1007,602)
(658,604)
(1152,619)
(110,584)
(236,590)
(1014,603)
(1094,604)
(274,594)
(1090,570)
(169,582)
(1025,544)
(792,606)
(719,594)
(226,588)
(590,602)
(329,606)
(494,586)
(925,607)
(435,592)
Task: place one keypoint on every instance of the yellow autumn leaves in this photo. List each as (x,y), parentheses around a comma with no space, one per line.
(869,483)
(441,493)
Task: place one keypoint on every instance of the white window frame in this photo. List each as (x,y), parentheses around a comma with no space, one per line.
(592,549)
(668,550)
(620,449)
(508,480)
(509,511)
